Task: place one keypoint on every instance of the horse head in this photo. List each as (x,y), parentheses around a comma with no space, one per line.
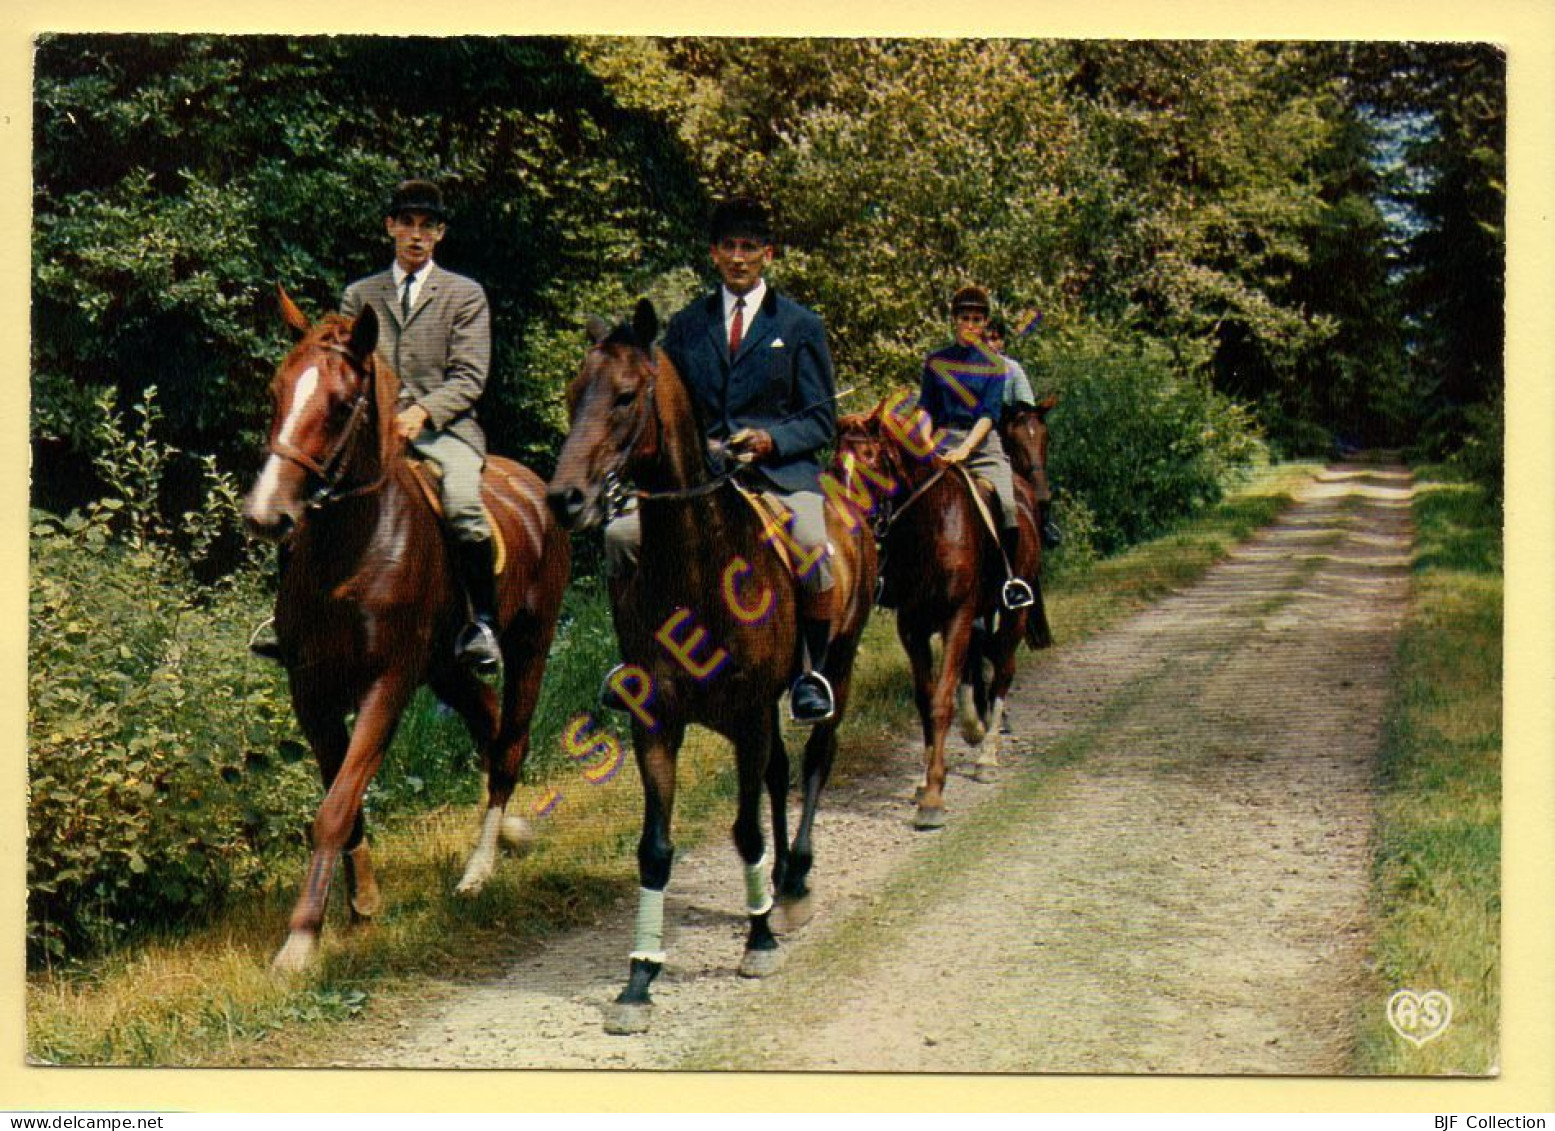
(615,431)
(329,432)
(1025,435)
(861,440)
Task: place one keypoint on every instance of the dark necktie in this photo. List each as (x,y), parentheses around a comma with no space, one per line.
(405,301)
(737,328)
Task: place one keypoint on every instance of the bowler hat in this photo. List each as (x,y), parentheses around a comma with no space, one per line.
(970,298)
(417,196)
(740,216)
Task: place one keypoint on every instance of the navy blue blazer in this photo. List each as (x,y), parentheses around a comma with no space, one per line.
(781,381)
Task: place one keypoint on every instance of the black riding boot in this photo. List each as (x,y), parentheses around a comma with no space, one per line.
(1016,593)
(810,700)
(477,645)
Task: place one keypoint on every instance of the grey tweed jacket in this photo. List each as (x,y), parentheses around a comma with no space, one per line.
(441,353)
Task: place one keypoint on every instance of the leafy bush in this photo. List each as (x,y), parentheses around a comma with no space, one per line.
(157,781)
(1137,440)
(157,778)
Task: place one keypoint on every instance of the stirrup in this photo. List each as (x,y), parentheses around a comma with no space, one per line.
(477,647)
(1016,594)
(268,648)
(811,712)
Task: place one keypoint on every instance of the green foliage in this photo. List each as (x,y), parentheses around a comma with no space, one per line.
(1140,442)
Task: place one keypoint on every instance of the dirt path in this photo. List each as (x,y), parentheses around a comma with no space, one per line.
(1172,876)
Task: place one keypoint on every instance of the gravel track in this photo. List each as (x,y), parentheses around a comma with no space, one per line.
(1171,876)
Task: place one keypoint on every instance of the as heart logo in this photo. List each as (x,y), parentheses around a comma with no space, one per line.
(1419,1018)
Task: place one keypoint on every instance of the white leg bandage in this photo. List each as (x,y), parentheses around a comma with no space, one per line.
(758,897)
(649,944)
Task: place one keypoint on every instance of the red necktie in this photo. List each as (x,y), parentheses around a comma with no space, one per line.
(737,328)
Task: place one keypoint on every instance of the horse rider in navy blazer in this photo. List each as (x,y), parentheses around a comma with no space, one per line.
(760,371)
(436,333)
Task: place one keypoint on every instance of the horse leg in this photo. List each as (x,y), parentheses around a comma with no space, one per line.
(752,751)
(476,703)
(972,695)
(325,730)
(918,644)
(339,817)
(656,753)
(777,793)
(931,807)
(524,653)
(1012,626)
(820,754)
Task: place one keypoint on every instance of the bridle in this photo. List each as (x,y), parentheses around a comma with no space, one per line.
(615,496)
(331,470)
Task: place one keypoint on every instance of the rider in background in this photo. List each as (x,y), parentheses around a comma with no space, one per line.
(962,391)
(1018,395)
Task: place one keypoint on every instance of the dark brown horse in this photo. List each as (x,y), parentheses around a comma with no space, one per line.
(1024,432)
(369,602)
(707,626)
(943,571)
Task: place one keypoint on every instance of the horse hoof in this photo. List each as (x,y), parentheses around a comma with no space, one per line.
(623,1019)
(366,904)
(297,954)
(796,912)
(517,835)
(987,775)
(761,963)
(929,817)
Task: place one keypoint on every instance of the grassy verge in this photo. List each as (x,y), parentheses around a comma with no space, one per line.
(1438,873)
(206,998)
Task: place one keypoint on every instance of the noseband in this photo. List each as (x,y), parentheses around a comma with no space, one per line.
(332,468)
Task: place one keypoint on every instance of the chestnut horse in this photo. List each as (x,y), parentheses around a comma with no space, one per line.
(369,604)
(708,629)
(1024,431)
(943,570)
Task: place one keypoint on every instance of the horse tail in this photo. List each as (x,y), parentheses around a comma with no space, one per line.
(1038,634)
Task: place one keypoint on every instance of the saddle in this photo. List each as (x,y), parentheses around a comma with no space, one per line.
(982,496)
(774,515)
(427,474)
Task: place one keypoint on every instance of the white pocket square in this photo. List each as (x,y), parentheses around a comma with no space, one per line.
(777,343)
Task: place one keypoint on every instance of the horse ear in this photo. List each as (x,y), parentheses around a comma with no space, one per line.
(596,328)
(290,313)
(645,323)
(1046,405)
(364,334)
